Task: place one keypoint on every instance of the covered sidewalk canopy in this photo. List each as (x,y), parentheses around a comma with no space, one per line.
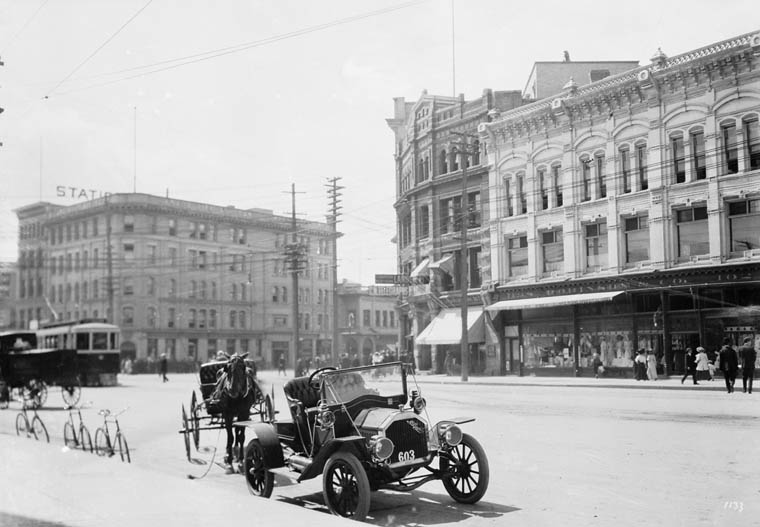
(421,268)
(446,327)
(553,301)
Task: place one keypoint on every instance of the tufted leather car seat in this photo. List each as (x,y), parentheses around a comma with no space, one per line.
(299,389)
(303,400)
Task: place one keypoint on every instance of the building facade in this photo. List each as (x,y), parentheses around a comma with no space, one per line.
(442,182)
(367,321)
(181,278)
(625,215)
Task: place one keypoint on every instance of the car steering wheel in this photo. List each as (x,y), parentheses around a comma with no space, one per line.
(312,381)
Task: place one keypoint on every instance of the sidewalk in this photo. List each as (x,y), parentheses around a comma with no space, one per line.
(663,383)
(46,485)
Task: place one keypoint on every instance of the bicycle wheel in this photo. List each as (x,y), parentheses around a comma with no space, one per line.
(86,440)
(69,436)
(34,393)
(121,444)
(22,425)
(71,394)
(102,444)
(38,427)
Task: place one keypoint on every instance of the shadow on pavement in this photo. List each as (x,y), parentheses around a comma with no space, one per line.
(413,508)
(8,520)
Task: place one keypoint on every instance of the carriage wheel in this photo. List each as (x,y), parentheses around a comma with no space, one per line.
(267,410)
(71,394)
(186,432)
(195,420)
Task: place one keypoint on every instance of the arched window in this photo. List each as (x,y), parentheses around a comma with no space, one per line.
(454,159)
(444,162)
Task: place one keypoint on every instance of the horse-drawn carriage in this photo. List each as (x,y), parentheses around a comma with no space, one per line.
(215,383)
(29,370)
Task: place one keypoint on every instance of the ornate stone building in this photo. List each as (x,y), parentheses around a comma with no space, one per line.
(625,214)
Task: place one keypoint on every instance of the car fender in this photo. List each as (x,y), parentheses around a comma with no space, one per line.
(353,444)
(453,421)
(270,443)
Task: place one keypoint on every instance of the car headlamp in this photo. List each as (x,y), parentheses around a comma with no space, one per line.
(381,447)
(418,404)
(451,435)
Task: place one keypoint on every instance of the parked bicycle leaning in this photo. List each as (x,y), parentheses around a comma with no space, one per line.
(107,445)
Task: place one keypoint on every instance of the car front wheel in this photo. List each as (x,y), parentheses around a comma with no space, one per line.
(346,486)
(465,471)
(259,480)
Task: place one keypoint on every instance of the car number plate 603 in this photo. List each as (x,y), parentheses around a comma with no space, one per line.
(406,455)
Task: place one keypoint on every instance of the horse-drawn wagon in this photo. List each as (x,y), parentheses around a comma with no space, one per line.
(28,370)
(210,412)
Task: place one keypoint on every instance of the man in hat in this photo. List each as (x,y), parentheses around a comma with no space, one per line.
(729,363)
(164,367)
(747,356)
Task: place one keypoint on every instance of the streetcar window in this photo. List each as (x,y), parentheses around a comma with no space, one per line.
(83,341)
(114,341)
(99,341)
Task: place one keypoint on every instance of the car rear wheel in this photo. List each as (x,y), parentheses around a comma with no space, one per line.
(259,480)
(346,486)
(465,471)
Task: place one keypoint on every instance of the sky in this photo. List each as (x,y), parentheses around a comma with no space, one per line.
(231,102)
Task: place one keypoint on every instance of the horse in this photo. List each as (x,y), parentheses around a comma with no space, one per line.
(236,392)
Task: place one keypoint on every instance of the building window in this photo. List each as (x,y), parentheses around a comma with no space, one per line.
(752,140)
(128,316)
(585,179)
(557,184)
(192,320)
(423,222)
(172,287)
(679,158)
(508,198)
(241,319)
(152,319)
(94,228)
(172,256)
(204,292)
(151,286)
(284,295)
(641,166)
(636,239)
(275,294)
(596,246)
(517,256)
(129,286)
(172,227)
(625,169)
(744,224)
(129,252)
(233,318)
(193,288)
(553,251)
(521,196)
(152,254)
(444,163)
(192,348)
(698,154)
(693,236)
(601,175)
(730,149)
(129,223)
(212,318)
(171,313)
(202,320)
(542,188)
(473,210)
(454,159)
(280,321)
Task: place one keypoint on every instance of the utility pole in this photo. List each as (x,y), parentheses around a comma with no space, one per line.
(109,262)
(333,194)
(465,150)
(294,252)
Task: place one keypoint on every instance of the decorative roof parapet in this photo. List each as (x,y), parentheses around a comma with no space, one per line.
(748,39)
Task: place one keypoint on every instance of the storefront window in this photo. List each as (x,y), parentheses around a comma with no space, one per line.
(548,345)
(612,339)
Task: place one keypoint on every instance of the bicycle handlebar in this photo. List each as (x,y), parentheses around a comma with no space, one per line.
(105,412)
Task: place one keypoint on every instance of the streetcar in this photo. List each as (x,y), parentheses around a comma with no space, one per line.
(96,343)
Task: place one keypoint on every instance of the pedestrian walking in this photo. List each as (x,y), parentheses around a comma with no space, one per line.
(690,366)
(651,366)
(640,365)
(748,356)
(597,365)
(703,364)
(729,364)
(281,365)
(164,367)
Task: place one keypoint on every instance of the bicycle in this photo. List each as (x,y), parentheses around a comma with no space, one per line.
(34,428)
(76,436)
(104,446)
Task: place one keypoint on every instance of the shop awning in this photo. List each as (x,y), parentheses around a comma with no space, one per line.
(445,264)
(446,328)
(421,268)
(553,301)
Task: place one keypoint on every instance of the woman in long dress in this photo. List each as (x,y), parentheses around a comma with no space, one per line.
(651,366)
(703,364)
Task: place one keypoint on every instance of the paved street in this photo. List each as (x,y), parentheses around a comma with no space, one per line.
(572,453)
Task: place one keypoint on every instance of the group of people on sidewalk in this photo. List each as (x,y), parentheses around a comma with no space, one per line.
(728,361)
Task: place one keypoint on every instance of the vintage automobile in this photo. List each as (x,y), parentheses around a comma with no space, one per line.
(362,431)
